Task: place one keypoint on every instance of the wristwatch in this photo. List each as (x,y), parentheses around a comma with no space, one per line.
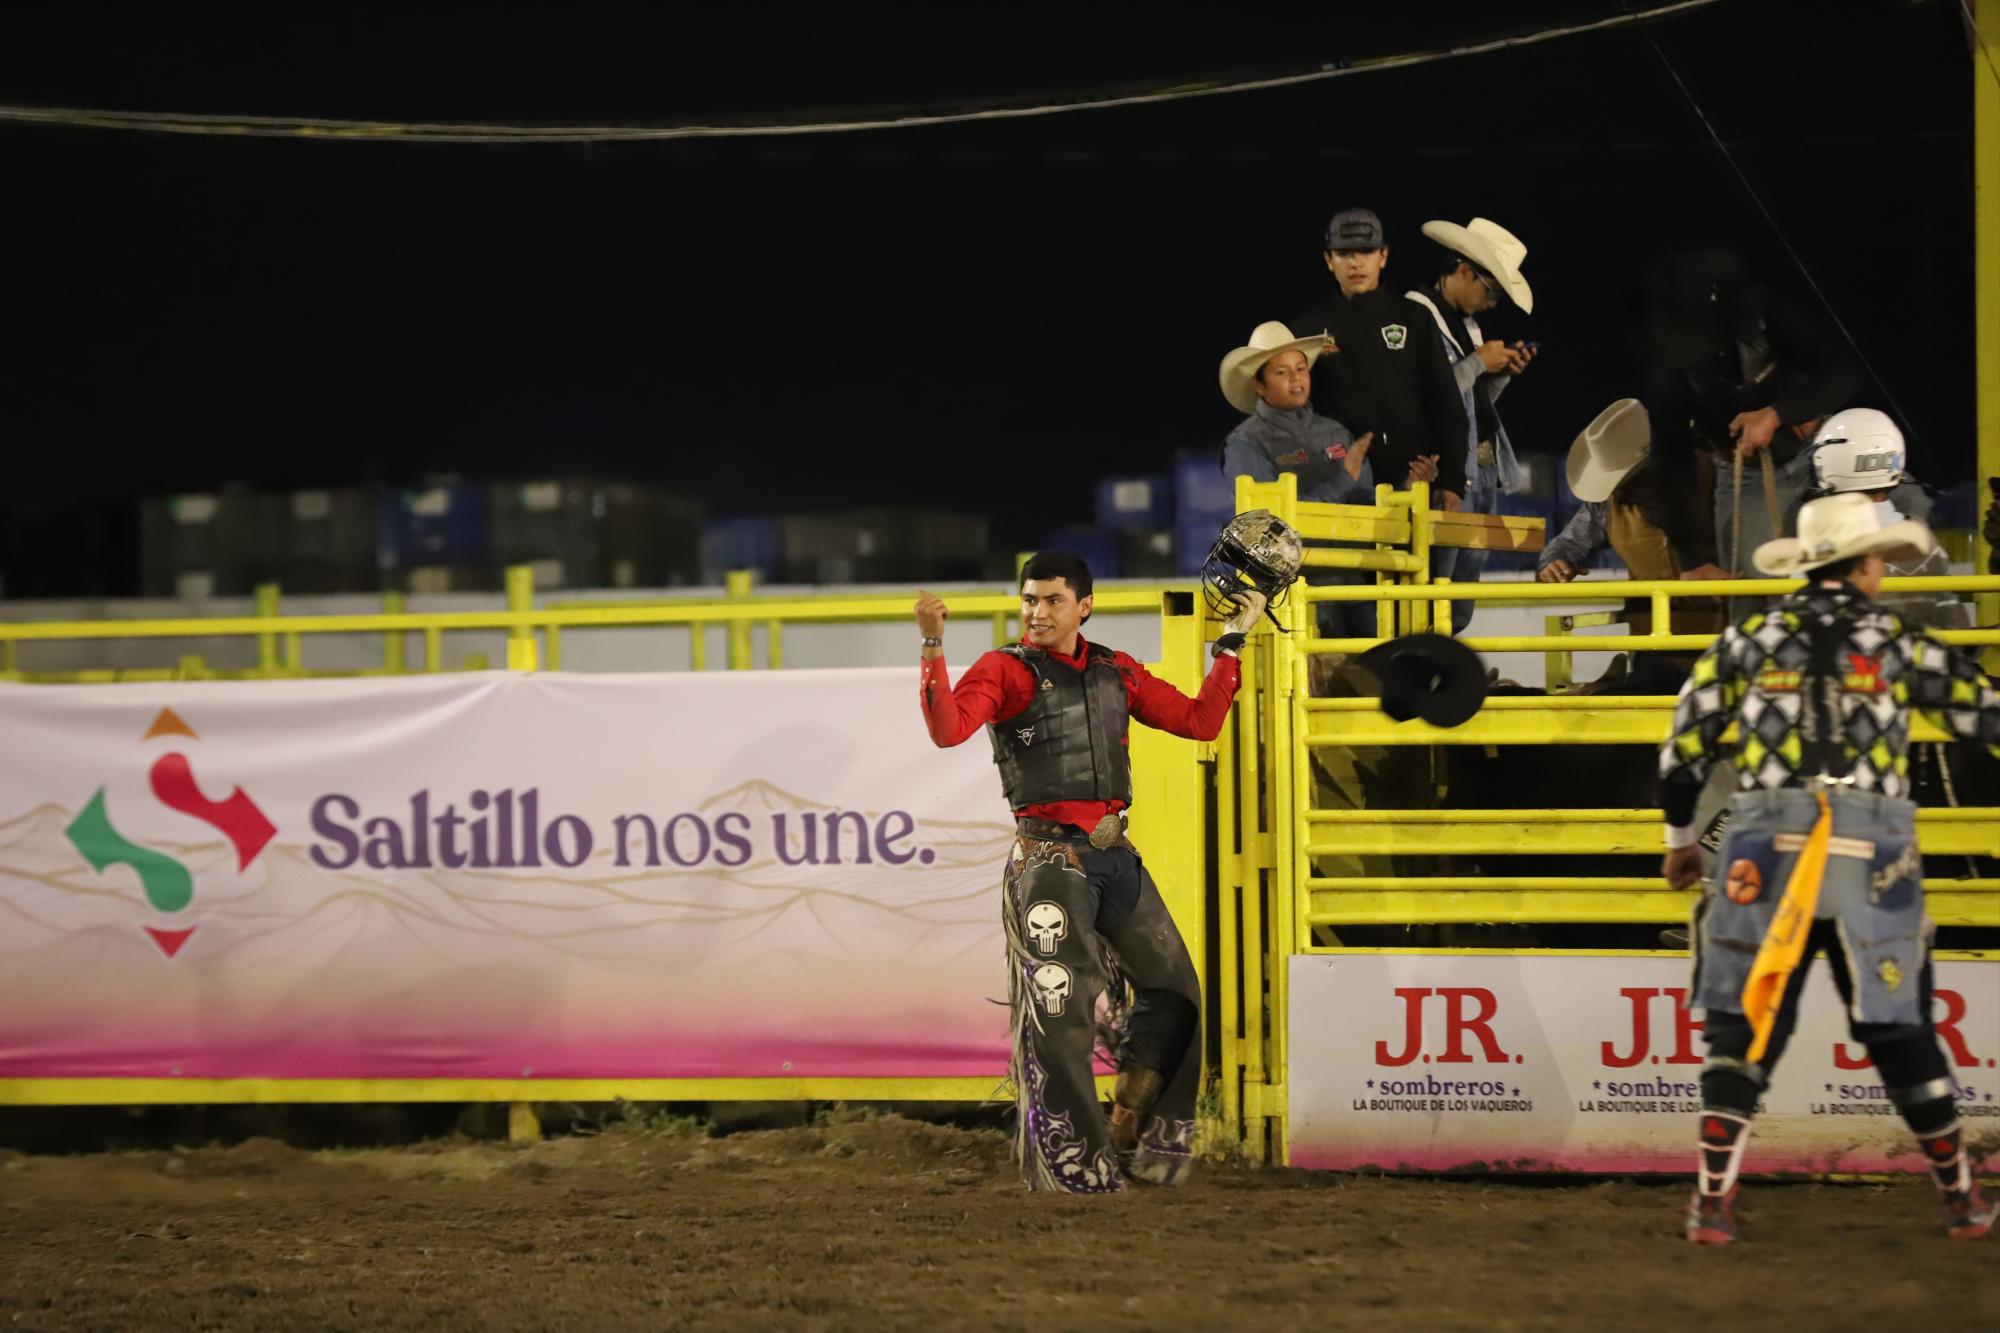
(1228,643)
(931,642)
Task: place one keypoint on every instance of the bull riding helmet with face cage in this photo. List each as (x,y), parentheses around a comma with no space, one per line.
(1257,550)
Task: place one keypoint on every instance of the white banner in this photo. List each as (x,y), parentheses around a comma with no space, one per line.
(769,874)
(1438,1062)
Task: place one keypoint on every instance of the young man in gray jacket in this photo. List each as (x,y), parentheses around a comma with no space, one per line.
(1271,379)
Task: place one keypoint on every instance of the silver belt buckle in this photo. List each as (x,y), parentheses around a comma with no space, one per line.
(1107,831)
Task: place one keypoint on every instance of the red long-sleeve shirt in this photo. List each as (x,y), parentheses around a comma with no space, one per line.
(998,686)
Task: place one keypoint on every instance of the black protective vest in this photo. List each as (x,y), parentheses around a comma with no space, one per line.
(1068,744)
(1822,736)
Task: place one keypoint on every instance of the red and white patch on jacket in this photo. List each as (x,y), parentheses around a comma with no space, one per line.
(1864,675)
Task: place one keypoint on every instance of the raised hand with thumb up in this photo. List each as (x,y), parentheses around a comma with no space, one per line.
(931,614)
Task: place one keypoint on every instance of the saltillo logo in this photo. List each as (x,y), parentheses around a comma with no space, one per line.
(165,880)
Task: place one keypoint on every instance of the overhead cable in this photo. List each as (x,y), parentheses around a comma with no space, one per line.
(384,131)
(1798,260)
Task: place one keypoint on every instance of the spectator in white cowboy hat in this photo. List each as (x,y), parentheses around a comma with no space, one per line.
(1481,267)
(1611,469)
(1271,379)
(1389,378)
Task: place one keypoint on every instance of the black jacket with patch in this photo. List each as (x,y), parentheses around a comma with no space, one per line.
(1391,377)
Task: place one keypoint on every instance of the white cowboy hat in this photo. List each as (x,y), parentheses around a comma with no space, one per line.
(1609,447)
(1492,247)
(1266,341)
(1835,527)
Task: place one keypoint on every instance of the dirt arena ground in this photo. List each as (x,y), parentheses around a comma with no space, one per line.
(869,1222)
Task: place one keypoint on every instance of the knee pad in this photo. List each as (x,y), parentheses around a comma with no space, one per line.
(1731,1085)
(1912,1066)
(1728,1036)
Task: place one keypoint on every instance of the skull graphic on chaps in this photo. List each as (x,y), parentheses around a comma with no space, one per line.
(1051,988)
(1046,925)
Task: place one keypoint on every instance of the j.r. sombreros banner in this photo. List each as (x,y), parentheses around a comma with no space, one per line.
(497,876)
(1439,1062)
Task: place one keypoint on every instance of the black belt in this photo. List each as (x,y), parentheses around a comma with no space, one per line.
(1108,831)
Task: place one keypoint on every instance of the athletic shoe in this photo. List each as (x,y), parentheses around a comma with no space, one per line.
(1711,1218)
(1968,1214)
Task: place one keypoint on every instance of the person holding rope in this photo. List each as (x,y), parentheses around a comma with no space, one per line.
(1821,851)
(1082,913)
(1740,371)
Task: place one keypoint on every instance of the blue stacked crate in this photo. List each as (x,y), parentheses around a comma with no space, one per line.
(1097,546)
(1204,500)
(741,543)
(1138,513)
(436,538)
(1135,504)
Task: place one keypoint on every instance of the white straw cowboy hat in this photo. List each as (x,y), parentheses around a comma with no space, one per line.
(1266,341)
(1835,527)
(1609,447)
(1492,247)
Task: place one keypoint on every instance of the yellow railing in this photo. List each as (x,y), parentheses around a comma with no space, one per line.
(1295,872)
(1168,779)
(1276,895)
(533,634)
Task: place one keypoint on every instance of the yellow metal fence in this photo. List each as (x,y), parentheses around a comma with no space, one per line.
(1168,782)
(1296,870)
(1275,843)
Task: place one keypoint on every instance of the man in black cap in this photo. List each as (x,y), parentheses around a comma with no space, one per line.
(1389,374)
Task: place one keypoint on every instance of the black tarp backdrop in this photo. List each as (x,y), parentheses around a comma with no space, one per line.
(988,315)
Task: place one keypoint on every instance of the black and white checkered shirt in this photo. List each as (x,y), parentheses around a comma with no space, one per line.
(1758,673)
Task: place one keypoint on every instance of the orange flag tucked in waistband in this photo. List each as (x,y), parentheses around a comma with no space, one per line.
(1785,942)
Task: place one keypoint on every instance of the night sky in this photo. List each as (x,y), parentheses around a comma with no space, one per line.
(984,317)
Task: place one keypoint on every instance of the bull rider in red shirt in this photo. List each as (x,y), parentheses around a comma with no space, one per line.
(1083,916)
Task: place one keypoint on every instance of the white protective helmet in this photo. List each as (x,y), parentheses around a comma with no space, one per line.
(1857,450)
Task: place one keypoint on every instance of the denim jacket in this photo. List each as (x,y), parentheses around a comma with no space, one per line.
(1468,371)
